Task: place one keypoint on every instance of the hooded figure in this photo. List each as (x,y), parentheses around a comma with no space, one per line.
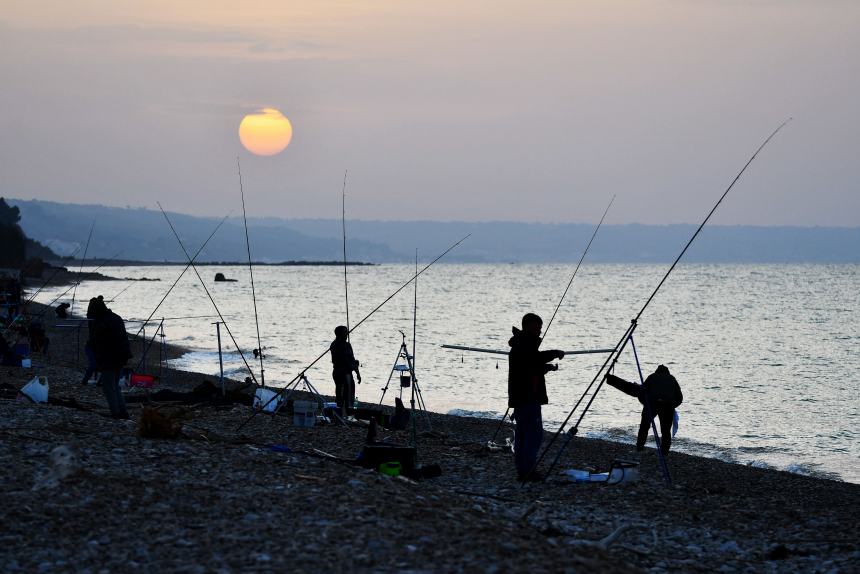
(527,366)
(661,394)
(110,347)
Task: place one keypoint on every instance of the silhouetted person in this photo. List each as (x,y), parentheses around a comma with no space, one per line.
(343,364)
(62,310)
(88,346)
(527,392)
(110,346)
(661,395)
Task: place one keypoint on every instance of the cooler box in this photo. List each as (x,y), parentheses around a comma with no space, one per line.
(141,381)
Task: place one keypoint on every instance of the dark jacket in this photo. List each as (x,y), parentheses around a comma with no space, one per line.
(109,341)
(342,359)
(526,369)
(663,389)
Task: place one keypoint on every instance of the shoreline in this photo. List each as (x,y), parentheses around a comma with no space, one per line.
(217,498)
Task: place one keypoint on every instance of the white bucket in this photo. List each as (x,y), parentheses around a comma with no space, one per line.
(263,396)
(36,390)
(304,413)
(623,472)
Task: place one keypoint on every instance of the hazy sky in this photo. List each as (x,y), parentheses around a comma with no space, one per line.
(466,110)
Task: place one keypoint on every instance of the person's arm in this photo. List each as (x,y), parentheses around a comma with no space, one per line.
(678,393)
(354,362)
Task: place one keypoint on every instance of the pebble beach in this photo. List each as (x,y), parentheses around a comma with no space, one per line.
(87,493)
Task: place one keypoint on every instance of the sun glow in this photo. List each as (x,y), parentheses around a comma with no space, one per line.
(266,132)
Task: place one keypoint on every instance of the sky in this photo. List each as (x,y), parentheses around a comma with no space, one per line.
(443,110)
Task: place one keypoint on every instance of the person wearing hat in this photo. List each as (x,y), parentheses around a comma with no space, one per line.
(527,366)
(343,364)
(110,346)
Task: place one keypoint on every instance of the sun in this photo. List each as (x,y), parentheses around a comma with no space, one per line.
(266,132)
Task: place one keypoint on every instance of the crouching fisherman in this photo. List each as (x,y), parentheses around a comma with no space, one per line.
(527,392)
(660,396)
(109,343)
(343,364)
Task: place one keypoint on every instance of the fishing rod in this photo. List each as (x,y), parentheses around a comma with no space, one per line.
(560,301)
(208,294)
(54,274)
(622,342)
(251,272)
(500,352)
(356,326)
(75,293)
(199,251)
(76,283)
(343,226)
(415,311)
(126,288)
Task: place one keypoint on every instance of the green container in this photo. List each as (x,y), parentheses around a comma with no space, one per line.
(390,468)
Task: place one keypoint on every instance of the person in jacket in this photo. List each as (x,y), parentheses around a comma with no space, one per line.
(660,396)
(527,367)
(343,364)
(109,343)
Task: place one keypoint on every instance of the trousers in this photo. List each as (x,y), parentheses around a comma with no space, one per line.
(528,436)
(344,391)
(666,415)
(110,385)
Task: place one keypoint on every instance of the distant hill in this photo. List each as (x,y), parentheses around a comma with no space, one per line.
(143,235)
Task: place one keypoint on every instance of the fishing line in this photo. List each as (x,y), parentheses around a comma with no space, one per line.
(75,293)
(357,325)
(203,284)
(560,301)
(199,251)
(251,272)
(54,274)
(78,282)
(619,346)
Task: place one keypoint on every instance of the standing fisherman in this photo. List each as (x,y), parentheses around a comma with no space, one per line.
(527,392)
(110,346)
(343,364)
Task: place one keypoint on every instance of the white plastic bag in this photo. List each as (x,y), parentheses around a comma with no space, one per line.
(264,396)
(36,390)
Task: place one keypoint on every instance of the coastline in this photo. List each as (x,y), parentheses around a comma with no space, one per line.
(217,499)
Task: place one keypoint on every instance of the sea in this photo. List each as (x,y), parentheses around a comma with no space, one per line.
(767,355)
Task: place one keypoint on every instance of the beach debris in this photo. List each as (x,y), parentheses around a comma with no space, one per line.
(159,423)
(63,463)
(36,390)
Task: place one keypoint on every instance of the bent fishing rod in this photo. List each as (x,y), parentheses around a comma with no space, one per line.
(622,342)
(251,272)
(356,326)
(199,251)
(208,294)
(560,301)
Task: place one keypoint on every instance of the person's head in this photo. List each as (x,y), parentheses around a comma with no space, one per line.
(340,332)
(96,308)
(663,370)
(532,323)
